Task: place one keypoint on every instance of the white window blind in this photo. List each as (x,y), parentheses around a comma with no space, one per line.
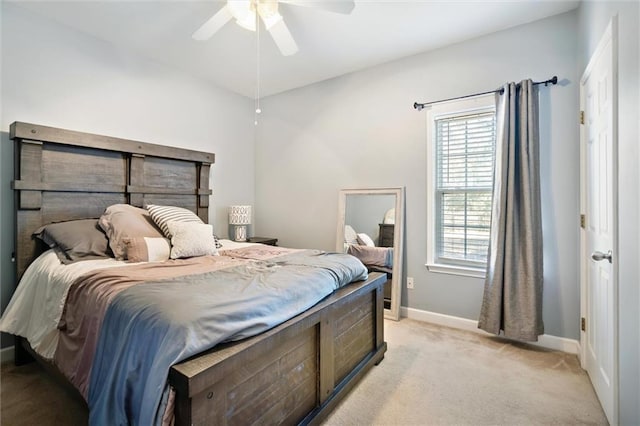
(463,187)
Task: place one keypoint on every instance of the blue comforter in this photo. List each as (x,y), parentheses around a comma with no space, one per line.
(153,325)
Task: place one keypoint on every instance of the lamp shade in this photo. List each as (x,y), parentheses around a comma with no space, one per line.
(239,215)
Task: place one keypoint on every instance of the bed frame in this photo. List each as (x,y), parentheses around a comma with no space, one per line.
(294,373)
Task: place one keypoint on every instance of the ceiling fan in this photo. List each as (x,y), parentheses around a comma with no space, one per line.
(244,12)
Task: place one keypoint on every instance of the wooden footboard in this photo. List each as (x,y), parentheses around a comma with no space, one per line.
(294,373)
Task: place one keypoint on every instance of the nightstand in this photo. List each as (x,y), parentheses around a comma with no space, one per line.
(263,240)
(386,235)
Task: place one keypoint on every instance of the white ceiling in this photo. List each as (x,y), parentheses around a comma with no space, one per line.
(330,44)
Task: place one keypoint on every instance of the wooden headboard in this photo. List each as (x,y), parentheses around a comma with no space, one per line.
(65,175)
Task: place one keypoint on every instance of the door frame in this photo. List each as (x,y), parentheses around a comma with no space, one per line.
(610,35)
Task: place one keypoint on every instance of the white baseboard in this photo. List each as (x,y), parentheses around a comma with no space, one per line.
(6,354)
(546,341)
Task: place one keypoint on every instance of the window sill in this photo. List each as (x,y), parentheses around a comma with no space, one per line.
(456,270)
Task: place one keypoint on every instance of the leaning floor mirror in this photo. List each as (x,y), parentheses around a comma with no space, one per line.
(370,227)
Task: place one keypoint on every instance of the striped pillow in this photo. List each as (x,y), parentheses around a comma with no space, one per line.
(162,215)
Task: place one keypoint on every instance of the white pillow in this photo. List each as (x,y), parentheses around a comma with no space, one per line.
(365,240)
(191,239)
(162,215)
(350,236)
(390,217)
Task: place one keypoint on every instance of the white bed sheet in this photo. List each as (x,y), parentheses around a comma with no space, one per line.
(36,306)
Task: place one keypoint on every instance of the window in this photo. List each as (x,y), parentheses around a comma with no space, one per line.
(461,152)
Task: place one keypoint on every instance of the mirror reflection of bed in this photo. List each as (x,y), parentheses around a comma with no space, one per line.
(370,228)
(376,253)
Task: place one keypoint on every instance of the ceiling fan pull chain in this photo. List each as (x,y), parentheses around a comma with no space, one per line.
(257,98)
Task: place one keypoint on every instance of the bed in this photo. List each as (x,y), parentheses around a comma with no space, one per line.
(305,364)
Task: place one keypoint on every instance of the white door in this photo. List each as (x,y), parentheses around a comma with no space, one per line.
(598,98)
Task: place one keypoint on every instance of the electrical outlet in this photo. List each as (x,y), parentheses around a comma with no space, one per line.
(409,282)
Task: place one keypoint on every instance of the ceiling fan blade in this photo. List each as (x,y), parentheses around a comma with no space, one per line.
(283,38)
(214,23)
(337,6)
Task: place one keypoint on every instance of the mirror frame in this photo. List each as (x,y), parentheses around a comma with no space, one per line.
(397,277)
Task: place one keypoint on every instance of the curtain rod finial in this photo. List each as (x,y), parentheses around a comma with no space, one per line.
(552,80)
(418,106)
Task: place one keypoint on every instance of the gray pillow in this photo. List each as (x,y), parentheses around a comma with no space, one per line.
(75,240)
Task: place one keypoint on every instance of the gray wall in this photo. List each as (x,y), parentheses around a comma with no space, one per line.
(56,76)
(360,130)
(593,20)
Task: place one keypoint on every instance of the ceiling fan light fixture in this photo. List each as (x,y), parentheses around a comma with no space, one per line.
(248,22)
(270,20)
(239,9)
(244,12)
(268,11)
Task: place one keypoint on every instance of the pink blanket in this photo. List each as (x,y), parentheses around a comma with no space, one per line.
(90,295)
(378,256)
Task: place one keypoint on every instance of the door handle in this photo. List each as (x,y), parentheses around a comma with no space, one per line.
(598,256)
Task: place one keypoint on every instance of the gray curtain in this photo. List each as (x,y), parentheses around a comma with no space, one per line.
(512,300)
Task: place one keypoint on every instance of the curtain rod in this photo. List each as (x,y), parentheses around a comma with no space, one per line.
(416,105)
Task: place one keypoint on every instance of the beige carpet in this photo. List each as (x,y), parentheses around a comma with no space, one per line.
(434,375)
(431,375)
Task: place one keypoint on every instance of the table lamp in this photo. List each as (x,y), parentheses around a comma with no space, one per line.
(239,218)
